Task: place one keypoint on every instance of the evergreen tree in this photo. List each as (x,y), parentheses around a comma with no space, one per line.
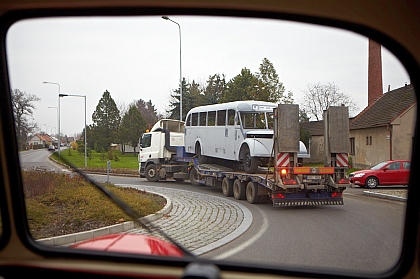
(269,88)
(106,120)
(132,126)
(240,87)
(214,89)
(192,96)
(148,112)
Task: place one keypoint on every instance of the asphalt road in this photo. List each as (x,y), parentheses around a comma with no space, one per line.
(364,234)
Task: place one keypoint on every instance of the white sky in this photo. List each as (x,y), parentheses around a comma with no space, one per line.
(138,58)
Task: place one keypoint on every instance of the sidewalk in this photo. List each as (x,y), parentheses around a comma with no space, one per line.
(398,195)
(198,222)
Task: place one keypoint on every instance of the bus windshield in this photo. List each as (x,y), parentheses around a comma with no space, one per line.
(256,120)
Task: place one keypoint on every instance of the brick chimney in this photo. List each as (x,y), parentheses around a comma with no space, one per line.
(374,71)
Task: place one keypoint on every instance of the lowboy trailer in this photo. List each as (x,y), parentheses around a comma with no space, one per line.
(287,182)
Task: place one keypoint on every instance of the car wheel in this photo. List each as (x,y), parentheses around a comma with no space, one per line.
(371,182)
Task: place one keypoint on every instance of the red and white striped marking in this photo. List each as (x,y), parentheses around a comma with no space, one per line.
(283,160)
(342,159)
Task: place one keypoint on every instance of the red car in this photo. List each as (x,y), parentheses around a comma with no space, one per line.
(395,172)
(131,243)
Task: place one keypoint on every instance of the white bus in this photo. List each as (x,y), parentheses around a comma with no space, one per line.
(238,131)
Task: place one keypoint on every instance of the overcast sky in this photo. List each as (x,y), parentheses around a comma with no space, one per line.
(138,58)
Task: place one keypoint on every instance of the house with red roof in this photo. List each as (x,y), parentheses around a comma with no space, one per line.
(384,130)
(40,141)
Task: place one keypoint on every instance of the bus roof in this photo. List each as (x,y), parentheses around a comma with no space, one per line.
(237,105)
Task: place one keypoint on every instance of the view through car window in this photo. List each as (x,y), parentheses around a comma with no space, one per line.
(173,115)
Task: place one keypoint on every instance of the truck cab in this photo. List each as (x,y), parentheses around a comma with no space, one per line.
(158,147)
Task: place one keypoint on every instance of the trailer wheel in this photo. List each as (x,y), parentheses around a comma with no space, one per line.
(250,163)
(239,189)
(227,187)
(194,177)
(151,172)
(252,193)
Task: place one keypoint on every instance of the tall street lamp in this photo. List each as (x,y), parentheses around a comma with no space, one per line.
(180,67)
(84,96)
(59,135)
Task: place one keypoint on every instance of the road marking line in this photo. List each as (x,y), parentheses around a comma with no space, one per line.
(247,243)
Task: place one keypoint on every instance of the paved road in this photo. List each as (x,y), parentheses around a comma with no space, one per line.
(364,234)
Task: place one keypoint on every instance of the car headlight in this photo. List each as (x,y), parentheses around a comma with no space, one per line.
(359,174)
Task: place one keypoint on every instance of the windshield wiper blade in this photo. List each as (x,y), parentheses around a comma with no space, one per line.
(152,229)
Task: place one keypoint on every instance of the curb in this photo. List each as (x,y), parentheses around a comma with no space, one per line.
(384,196)
(118,228)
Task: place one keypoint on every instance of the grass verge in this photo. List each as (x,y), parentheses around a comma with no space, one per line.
(120,164)
(60,204)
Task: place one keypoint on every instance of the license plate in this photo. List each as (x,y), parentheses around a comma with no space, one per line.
(313,177)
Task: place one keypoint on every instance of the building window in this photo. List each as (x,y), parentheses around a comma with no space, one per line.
(352,146)
(369,140)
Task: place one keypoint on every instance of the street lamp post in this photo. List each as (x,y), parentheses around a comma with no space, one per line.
(59,136)
(84,96)
(57,116)
(180,67)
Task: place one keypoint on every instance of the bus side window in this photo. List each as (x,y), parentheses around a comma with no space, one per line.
(221,117)
(187,121)
(211,121)
(231,117)
(194,119)
(203,116)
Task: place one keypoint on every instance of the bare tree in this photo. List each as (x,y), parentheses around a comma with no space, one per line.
(23,106)
(319,97)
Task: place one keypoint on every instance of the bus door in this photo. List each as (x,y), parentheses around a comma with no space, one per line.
(229,135)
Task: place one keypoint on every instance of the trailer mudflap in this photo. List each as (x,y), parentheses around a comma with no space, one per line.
(304,199)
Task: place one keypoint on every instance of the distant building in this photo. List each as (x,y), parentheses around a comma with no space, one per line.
(40,141)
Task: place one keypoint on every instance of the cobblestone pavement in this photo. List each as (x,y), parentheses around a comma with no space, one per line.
(199,222)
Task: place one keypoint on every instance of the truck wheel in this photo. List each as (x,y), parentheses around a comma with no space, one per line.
(239,189)
(371,182)
(227,187)
(151,172)
(194,177)
(252,193)
(250,163)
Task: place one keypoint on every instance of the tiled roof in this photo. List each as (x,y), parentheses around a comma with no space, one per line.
(44,137)
(385,108)
(315,128)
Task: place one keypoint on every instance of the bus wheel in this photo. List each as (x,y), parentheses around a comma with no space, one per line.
(227,187)
(194,177)
(250,163)
(252,193)
(201,158)
(239,189)
(152,174)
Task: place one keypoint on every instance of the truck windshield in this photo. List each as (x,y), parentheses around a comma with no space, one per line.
(146,140)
